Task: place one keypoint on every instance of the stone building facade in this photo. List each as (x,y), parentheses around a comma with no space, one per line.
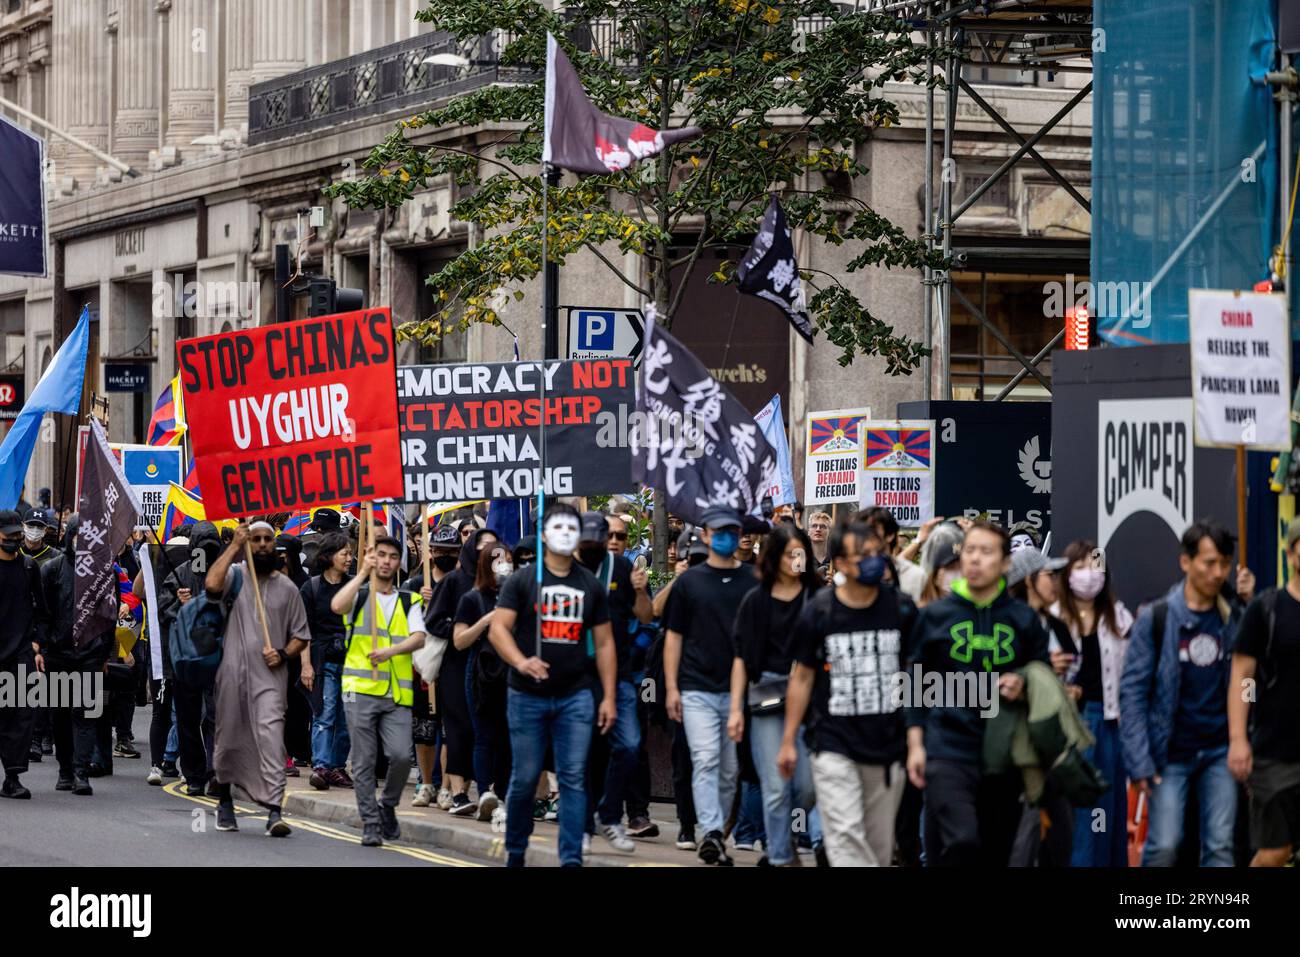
(237,113)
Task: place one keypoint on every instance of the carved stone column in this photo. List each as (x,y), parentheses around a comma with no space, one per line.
(191,73)
(135,121)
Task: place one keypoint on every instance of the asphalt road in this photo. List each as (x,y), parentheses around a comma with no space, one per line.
(129,823)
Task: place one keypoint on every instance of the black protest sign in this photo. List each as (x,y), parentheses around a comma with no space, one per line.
(471,431)
(697,442)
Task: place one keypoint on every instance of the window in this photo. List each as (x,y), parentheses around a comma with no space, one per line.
(454,344)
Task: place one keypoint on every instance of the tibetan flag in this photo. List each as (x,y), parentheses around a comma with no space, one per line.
(191,483)
(181,508)
(834,435)
(898,448)
(357,510)
(438,512)
(168,422)
(579,137)
(297,524)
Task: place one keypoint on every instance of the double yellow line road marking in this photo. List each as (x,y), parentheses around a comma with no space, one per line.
(176,788)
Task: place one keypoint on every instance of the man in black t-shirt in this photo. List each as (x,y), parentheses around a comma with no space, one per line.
(613,757)
(549,699)
(847,651)
(1264,752)
(329,727)
(698,656)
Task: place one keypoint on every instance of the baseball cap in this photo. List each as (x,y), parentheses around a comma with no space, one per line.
(326,520)
(38,516)
(689,543)
(720,516)
(595,528)
(753,525)
(444,536)
(1030,561)
(9,522)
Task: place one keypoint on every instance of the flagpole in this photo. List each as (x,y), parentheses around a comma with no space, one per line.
(548,293)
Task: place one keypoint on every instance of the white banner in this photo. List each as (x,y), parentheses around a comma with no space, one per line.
(1241,368)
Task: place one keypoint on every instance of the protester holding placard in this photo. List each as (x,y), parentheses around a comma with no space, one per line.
(267,626)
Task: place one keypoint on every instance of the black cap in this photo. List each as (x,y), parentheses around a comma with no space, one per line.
(753,525)
(10,522)
(38,516)
(595,528)
(689,543)
(326,520)
(720,516)
(444,536)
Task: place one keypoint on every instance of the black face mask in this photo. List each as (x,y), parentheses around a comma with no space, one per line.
(10,547)
(265,564)
(444,563)
(591,556)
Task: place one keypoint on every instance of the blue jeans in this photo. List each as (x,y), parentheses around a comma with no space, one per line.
(780,797)
(1216,796)
(1101,839)
(172,749)
(713,756)
(750,827)
(565,724)
(624,742)
(329,730)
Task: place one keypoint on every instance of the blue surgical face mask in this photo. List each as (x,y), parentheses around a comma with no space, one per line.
(725,542)
(871,570)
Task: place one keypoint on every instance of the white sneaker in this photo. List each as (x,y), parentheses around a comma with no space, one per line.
(423,796)
(499,818)
(488,802)
(155,776)
(617,838)
(586,844)
(444,799)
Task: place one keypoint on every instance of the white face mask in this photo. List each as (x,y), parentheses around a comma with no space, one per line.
(33,533)
(561,535)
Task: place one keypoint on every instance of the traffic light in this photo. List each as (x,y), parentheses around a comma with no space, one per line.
(325,298)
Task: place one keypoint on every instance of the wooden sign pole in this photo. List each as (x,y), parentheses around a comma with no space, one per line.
(257,594)
(369,510)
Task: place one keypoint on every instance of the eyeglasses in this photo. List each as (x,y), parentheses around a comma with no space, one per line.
(618,536)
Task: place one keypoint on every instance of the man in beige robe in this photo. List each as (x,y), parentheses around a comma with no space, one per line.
(252,681)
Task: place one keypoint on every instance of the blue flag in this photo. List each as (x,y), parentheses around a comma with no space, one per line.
(509,519)
(58,391)
(769,420)
(22,201)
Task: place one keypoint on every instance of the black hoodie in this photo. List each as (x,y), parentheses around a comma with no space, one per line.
(956,635)
(440,618)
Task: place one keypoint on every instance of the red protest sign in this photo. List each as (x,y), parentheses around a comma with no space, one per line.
(295,415)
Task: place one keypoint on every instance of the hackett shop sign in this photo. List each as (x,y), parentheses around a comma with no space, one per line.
(295,415)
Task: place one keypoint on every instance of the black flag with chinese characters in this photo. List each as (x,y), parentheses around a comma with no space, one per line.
(108,510)
(693,439)
(579,137)
(769,270)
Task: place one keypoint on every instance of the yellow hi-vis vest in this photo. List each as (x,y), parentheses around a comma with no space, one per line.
(396,675)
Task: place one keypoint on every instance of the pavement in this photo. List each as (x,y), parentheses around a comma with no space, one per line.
(435,829)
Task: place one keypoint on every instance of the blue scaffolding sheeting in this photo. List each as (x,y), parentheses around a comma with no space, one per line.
(1184,170)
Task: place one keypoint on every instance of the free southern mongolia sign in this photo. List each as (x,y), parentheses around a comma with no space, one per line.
(22,201)
(471,431)
(295,415)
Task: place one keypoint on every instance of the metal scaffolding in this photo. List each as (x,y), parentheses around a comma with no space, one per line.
(1025,35)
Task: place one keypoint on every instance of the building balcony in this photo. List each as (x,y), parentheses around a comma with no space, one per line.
(390,79)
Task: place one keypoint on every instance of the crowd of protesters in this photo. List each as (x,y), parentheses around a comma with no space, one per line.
(834,692)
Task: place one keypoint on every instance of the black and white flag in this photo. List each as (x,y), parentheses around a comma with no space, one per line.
(107,512)
(770,272)
(693,439)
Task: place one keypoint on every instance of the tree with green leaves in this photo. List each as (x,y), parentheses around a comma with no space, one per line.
(786,93)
